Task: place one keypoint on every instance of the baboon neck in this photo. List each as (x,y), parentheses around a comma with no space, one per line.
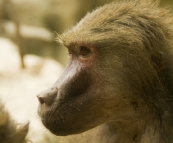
(140,131)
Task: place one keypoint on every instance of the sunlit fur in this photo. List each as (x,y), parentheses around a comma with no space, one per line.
(10,131)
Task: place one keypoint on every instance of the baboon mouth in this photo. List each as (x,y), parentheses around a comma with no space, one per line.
(60,128)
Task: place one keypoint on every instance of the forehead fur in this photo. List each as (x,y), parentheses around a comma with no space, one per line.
(117,22)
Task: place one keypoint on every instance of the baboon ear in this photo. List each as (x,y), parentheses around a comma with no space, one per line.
(22,131)
(157,60)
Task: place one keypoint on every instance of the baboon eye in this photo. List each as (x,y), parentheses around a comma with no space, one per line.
(84,51)
(69,52)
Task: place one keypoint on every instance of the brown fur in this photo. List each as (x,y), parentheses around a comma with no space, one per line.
(120,76)
(9,131)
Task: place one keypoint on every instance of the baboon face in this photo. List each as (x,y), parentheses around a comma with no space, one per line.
(85,95)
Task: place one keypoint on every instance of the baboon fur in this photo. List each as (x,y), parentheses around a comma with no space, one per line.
(10,131)
(122,81)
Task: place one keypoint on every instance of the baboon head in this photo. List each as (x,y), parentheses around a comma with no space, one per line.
(116,59)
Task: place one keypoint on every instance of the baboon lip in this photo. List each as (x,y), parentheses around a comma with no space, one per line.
(60,128)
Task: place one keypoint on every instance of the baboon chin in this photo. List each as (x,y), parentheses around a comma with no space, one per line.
(120,76)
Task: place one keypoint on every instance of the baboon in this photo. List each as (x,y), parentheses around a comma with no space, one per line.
(10,131)
(119,78)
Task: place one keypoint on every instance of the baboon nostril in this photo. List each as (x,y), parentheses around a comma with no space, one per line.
(47,97)
(40,99)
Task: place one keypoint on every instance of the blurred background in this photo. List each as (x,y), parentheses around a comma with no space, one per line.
(32,24)
(30,59)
